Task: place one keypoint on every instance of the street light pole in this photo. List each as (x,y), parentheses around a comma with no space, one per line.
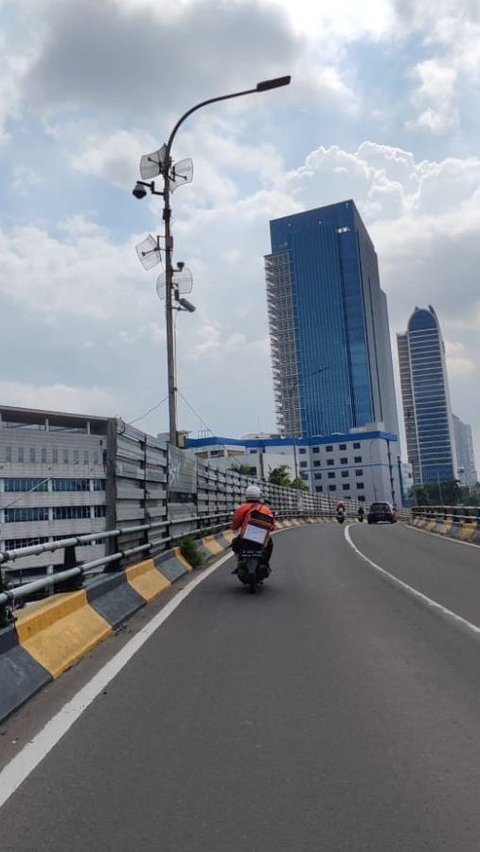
(172,389)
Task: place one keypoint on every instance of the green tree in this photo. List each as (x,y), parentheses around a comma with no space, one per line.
(299,483)
(280,476)
(245,469)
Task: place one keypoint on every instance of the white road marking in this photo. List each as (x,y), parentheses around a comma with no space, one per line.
(15,772)
(447,613)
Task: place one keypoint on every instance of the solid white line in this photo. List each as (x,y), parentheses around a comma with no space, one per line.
(15,773)
(447,613)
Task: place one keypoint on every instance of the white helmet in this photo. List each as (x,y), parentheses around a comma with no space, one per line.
(253,492)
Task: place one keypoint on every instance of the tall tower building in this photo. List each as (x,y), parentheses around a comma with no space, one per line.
(467,471)
(330,342)
(426,400)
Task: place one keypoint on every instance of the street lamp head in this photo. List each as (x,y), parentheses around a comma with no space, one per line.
(139,190)
(273,84)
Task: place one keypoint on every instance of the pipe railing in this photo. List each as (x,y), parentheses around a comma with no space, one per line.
(73,578)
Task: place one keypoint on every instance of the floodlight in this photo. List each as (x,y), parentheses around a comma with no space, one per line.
(181,173)
(152,165)
(148,252)
(182,282)
(186,305)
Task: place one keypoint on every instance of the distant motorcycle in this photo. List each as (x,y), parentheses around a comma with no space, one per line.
(340,515)
(360,514)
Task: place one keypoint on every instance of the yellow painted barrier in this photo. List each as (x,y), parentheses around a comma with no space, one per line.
(147,580)
(61,631)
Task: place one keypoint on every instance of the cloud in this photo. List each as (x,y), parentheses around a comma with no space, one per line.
(458,362)
(81,400)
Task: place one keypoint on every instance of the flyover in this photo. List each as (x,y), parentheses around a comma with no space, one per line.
(336,710)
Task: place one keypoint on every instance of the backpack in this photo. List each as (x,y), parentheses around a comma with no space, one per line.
(257,524)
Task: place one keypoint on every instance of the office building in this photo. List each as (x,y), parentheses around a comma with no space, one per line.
(426,400)
(362,464)
(53,484)
(467,472)
(329,333)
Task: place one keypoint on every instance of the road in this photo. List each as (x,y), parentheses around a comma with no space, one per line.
(332,711)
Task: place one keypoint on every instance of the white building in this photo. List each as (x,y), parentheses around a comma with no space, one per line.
(467,471)
(361,465)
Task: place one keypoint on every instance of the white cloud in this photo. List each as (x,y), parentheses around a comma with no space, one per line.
(458,362)
(58,397)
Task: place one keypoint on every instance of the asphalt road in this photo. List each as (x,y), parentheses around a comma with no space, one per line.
(332,711)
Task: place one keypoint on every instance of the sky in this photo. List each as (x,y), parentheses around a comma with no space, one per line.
(383,108)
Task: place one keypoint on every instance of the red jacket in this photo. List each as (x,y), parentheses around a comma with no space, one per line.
(241,514)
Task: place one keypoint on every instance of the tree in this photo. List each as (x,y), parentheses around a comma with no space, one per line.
(299,483)
(280,476)
(245,469)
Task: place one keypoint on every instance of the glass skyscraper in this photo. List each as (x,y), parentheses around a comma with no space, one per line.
(329,334)
(426,401)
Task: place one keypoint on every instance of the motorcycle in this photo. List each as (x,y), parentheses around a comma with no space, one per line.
(340,515)
(251,569)
(360,515)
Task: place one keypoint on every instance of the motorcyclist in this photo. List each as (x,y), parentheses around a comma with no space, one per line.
(252,509)
(360,513)
(340,507)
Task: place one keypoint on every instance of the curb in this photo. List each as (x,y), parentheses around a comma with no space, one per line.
(50,636)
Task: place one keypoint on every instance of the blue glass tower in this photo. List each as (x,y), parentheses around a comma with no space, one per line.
(426,400)
(330,342)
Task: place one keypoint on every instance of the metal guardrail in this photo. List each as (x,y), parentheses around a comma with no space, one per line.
(72,578)
(456,514)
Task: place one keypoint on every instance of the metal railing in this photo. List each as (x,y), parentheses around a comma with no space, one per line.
(75,575)
(456,514)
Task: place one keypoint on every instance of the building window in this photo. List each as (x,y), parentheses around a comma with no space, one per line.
(20,454)
(32,455)
(318,476)
(342,447)
(330,462)
(357,459)
(67,513)
(360,486)
(344,460)
(8,453)
(319,488)
(346,487)
(17,516)
(65,456)
(356,445)
(99,485)
(303,464)
(76,457)
(55,456)
(345,473)
(302,451)
(71,485)
(85,457)
(331,474)
(304,475)
(329,449)
(316,450)
(99,511)
(359,472)
(43,455)
(332,487)
(96,458)
(361,498)
(25,484)
(316,463)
